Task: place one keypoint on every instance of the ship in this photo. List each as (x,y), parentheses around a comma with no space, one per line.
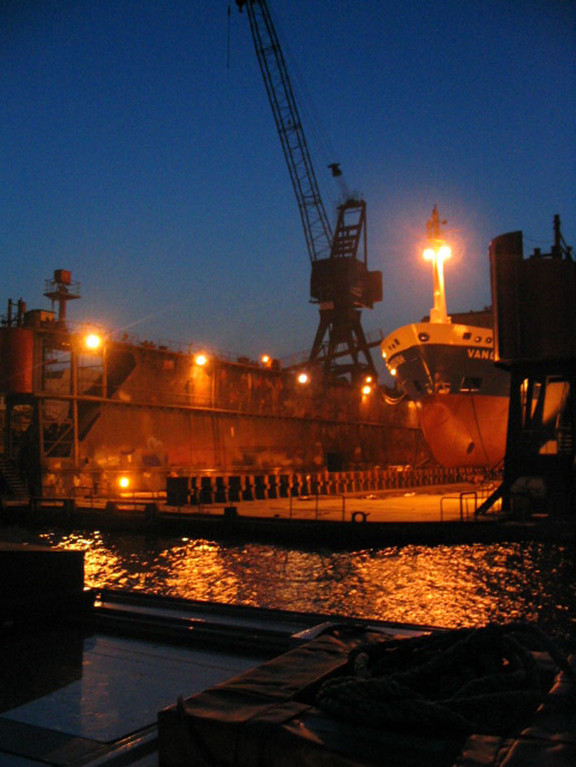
(445,365)
(85,411)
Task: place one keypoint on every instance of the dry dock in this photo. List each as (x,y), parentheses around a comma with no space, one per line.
(440,515)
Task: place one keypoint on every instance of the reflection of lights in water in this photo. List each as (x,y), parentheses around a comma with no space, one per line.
(443,585)
(102,566)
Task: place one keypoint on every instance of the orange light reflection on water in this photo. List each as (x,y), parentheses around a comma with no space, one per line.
(447,586)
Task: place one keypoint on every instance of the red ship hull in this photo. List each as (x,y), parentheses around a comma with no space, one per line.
(447,369)
(465,430)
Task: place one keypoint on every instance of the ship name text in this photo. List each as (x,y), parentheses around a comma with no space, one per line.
(480,354)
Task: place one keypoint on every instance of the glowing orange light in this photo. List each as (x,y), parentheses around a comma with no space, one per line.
(393,372)
(438,254)
(265,359)
(366,390)
(124,482)
(201,359)
(92,341)
(441,253)
(303,378)
(429,254)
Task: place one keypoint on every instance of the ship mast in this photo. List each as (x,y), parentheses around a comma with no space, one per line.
(437,252)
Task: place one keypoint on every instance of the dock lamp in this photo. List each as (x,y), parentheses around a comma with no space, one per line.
(438,252)
(367,386)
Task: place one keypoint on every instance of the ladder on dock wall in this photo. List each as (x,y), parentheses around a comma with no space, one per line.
(11,478)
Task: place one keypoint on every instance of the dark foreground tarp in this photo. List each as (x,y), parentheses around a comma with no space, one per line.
(274,715)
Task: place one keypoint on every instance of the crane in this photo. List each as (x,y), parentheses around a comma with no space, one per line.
(340,283)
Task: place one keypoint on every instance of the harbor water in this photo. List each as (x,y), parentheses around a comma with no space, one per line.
(450,586)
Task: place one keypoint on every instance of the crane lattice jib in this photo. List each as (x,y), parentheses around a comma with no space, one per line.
(315,222)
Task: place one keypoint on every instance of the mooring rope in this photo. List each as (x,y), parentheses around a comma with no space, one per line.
(470,680)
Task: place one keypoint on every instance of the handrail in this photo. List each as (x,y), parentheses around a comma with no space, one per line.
(462,499)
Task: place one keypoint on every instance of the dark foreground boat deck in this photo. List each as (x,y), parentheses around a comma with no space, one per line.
(442,514)
(97,679)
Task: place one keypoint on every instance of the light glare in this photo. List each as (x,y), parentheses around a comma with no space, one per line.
(92,341)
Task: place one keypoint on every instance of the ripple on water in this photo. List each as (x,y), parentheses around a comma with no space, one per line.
(448,586)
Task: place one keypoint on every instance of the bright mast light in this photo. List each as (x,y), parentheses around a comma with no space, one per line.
(437,252)
(92,341)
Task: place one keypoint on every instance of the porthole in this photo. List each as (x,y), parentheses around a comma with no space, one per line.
(423,337)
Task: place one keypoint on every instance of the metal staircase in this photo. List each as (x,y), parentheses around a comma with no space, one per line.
(11,478)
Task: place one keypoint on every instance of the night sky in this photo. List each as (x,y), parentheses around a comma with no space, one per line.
(138,150)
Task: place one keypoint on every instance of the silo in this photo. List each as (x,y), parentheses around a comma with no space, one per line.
(16,360)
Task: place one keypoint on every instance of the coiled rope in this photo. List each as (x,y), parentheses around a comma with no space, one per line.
(469,680)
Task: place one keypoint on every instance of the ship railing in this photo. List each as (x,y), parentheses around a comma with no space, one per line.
(170,345)
(316,500)
(191,347)
(467,501)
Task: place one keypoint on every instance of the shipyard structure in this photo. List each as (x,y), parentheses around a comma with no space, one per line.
(86,413)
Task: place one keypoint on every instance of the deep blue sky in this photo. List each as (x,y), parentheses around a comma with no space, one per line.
(133,155)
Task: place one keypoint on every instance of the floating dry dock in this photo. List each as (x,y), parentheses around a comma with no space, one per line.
(443,514)
(91,412)
(110,678)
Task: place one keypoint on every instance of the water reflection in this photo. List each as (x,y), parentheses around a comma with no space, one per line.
(449,586)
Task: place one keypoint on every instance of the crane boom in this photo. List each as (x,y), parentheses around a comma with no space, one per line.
(340,282)
(316,225)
